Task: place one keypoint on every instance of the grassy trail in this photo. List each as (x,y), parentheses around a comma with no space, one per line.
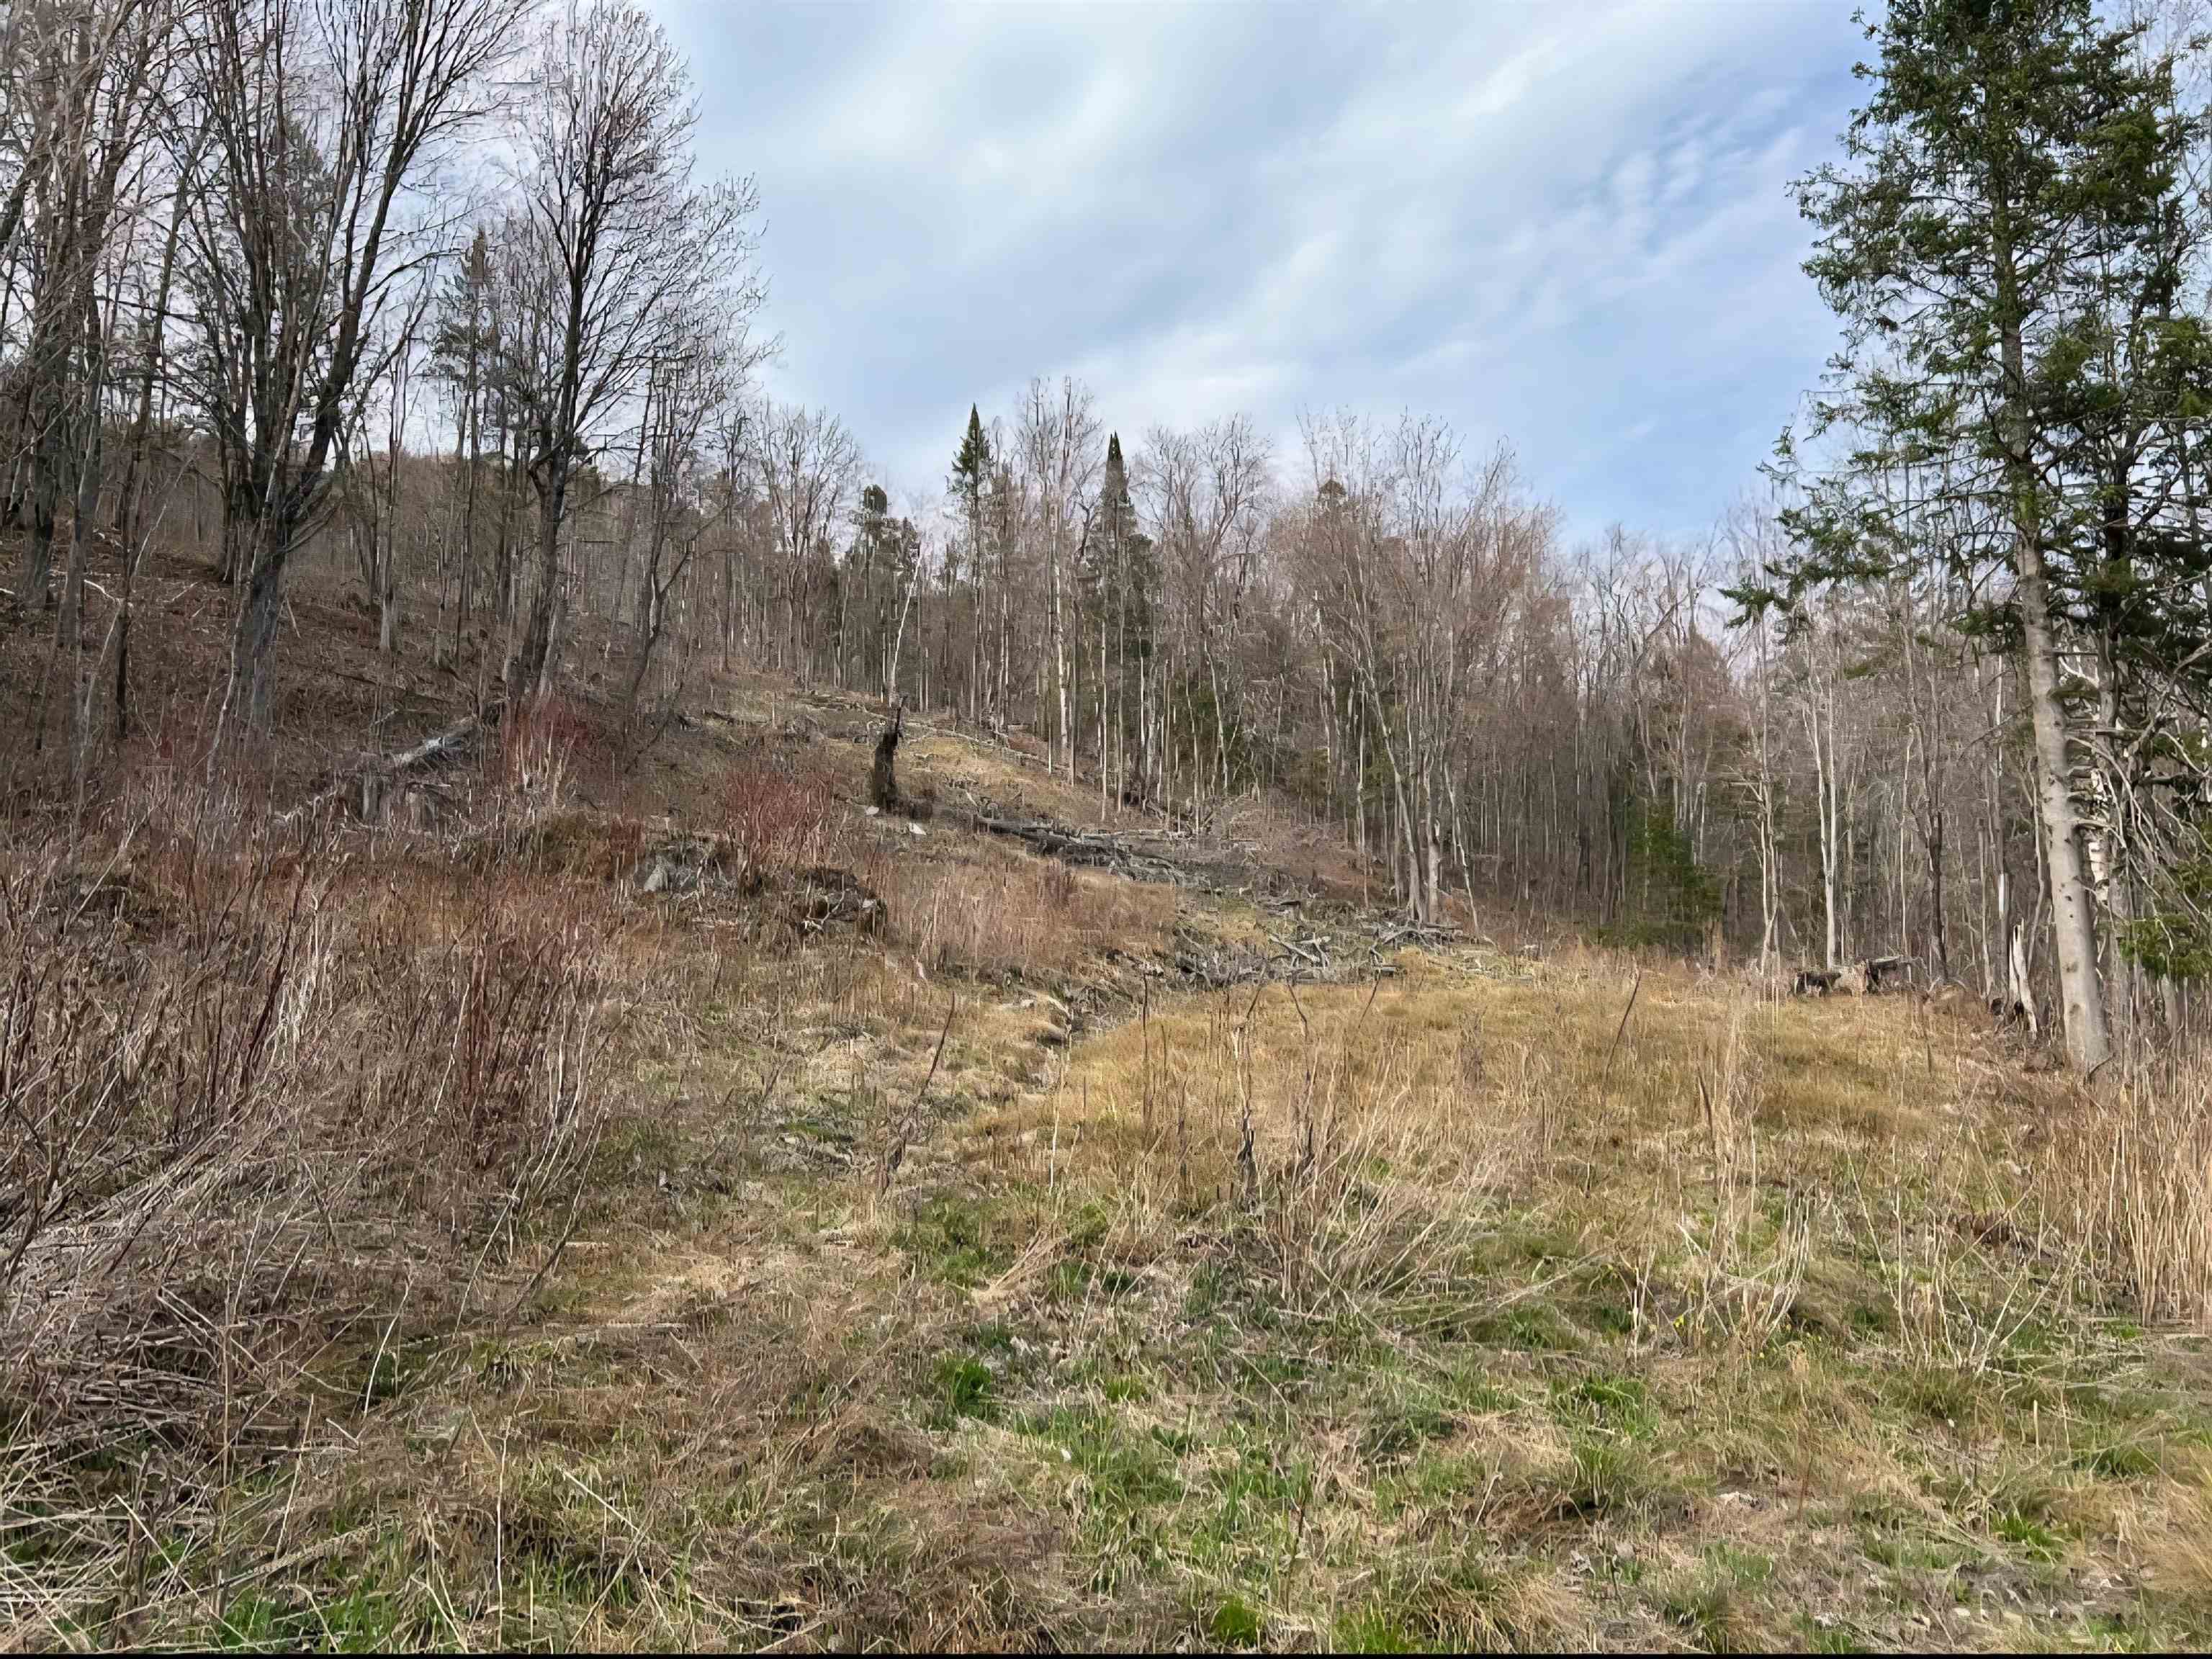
(1453,1312)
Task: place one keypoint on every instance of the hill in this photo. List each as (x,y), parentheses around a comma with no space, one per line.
(622,1191)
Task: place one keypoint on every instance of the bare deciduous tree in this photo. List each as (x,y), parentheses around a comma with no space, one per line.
(621,249)
(320,115)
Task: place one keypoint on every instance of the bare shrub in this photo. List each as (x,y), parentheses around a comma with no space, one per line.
(479,1038)
(781,812)
(260,1105)
(541,742)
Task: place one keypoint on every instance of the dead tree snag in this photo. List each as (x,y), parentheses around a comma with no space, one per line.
(882,780)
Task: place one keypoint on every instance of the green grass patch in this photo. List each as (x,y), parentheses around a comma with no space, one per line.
(1235,1623)
(1616,1404)
(1603,1477)
(956,1239)
(964,1387)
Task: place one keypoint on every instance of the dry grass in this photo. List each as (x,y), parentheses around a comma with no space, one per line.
(277,1111)
(2129,1171)
(2181,1542)
(974,1285)
(1690,1244)
(1484,1306)
(1001,914)
(1363,1158)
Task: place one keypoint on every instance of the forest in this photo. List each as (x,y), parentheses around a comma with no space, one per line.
(384,419)
(1850,721)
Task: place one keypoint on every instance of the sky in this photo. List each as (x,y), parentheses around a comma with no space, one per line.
(1565,225)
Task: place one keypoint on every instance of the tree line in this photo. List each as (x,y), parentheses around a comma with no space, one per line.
(1936,688)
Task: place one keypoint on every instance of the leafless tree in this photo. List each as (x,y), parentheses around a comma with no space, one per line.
(1057,447)
(321,115)
(621,249)
(809,465)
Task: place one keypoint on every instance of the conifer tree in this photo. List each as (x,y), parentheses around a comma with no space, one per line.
(972,469)
(2009,149)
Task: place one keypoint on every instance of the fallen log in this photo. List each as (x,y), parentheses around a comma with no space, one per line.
(1095,848)
(374,779)
(1427,933)
(1881,970)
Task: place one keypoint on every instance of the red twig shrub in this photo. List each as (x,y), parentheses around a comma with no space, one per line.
(277,1078)
(541,741)
(781,812)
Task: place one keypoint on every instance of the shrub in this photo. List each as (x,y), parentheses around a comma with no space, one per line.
(540,743)
(263,1106)
(781,812)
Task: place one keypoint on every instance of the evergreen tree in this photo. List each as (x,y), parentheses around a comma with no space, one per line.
(1116,513)
(971,474)
(973,468)
(2009,183)
(1120,576)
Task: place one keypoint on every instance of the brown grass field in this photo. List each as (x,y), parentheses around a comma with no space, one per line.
(448,1242)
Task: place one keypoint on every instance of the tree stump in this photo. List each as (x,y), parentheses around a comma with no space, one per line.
(883,780)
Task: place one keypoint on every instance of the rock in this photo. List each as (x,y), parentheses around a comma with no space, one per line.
(684,864)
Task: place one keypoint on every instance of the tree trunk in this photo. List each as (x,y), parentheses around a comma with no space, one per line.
(2074,925)
(258,616)
(533,669)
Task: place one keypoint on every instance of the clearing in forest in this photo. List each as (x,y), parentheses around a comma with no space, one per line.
(1001,1276)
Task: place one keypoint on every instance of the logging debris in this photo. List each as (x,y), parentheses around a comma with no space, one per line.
(1160,856)
(367,788)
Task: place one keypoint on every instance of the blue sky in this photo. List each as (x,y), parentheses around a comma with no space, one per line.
(1567,225)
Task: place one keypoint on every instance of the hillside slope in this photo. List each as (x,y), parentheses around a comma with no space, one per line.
(627,1194)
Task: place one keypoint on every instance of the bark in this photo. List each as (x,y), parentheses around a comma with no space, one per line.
(2074,923)
(534,667)
(2074,927)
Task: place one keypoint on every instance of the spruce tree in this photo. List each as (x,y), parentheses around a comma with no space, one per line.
(973,465)
(1121,572)
(971,472)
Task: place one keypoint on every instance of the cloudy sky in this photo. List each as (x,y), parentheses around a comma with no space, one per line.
(1564,224)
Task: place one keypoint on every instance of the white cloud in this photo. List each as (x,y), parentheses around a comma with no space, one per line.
(1562,223)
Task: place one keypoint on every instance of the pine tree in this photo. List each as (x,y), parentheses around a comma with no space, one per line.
(972,466)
